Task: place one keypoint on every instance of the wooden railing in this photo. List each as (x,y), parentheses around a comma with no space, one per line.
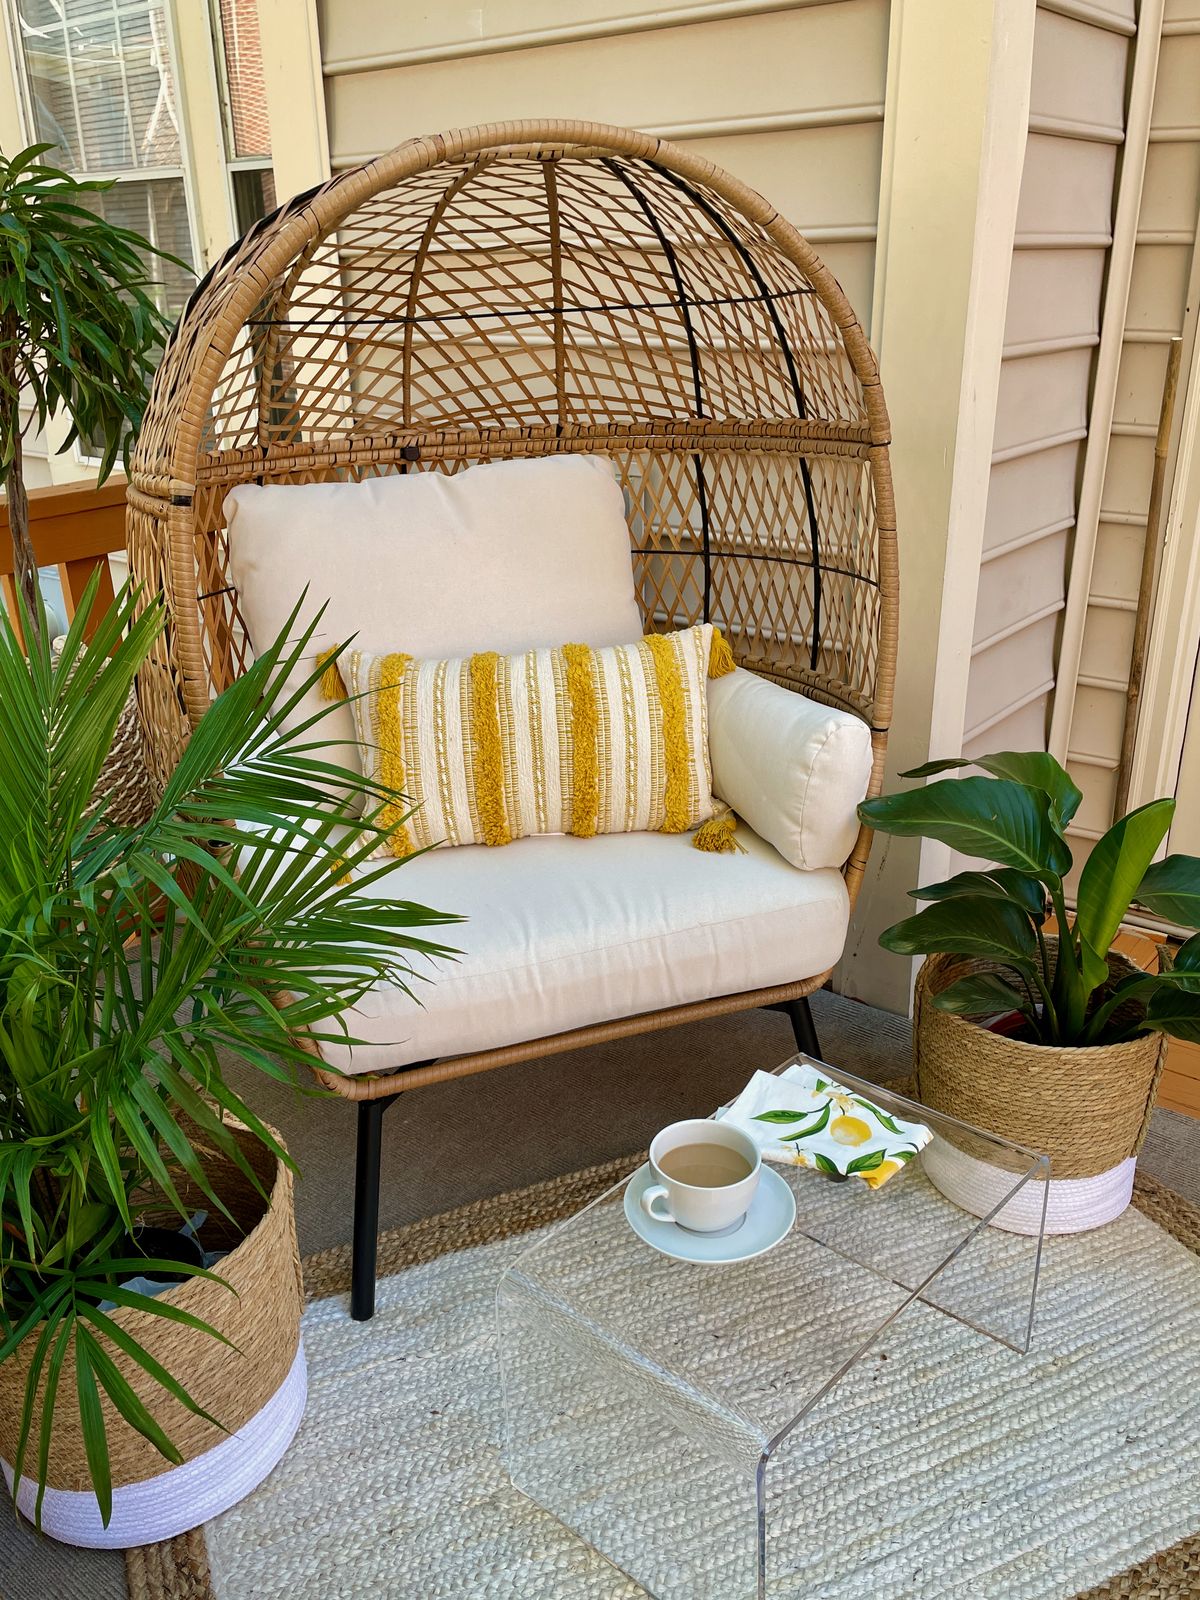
(75,528)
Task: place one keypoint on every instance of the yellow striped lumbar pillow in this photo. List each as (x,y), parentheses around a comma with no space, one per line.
(575,739)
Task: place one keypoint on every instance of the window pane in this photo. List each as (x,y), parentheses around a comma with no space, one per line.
(150,84)
(103,89)
(44,44)
(158,211)
(253,195)
(249,131)
(101,81)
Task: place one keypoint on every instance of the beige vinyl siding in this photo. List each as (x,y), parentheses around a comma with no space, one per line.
(790,97)
(375,32)
(1163,267)
(1062,239)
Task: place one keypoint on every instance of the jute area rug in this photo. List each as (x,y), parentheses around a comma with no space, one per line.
(394,1486)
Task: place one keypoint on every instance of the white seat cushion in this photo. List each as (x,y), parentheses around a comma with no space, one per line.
(564,932)
(507,556)
(793,768)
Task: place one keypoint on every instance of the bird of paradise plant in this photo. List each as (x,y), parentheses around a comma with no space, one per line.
(1017,818)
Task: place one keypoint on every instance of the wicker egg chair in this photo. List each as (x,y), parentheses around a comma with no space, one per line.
(515,290)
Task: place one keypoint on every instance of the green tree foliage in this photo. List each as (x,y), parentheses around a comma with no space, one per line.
(79,331)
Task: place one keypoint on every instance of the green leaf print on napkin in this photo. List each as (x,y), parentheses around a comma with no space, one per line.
(843,1134)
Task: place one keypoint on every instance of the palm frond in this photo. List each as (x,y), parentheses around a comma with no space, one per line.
(247,911)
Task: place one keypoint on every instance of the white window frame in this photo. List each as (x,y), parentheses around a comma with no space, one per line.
(184,171)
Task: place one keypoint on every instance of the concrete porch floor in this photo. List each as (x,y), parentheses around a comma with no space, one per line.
(545,1118)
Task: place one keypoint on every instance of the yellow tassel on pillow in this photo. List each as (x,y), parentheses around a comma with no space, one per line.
(718,835)
(720,662)
(333,685)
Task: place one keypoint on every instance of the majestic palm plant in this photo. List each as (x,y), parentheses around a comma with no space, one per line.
(130,957)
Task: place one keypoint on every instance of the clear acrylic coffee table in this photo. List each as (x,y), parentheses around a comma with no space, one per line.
(683,1418)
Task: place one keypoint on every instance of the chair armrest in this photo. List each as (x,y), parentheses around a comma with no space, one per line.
(793,769)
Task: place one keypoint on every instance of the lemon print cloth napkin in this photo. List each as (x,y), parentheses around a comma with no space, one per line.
(802,1117)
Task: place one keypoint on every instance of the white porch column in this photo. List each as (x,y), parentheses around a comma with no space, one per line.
(955,122)
(291,52)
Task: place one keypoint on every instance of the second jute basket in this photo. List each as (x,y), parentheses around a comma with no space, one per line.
(1088,1109)
(254,1385)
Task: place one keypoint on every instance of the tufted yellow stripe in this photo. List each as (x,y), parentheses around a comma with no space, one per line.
(442,755)
(386,716)
(537,744)
(585,725)
(674,732)
(628,726)
(486,749)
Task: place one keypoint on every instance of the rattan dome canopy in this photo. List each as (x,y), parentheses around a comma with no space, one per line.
(521,289)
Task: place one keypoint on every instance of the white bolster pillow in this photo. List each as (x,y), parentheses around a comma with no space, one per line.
(795,770)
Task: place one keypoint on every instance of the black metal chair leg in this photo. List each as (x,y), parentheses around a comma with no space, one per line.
(366,1206)
(803,1026)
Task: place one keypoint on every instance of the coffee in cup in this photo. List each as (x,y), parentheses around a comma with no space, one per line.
(706,1174)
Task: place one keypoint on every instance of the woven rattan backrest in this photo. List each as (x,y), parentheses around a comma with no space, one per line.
(519,290)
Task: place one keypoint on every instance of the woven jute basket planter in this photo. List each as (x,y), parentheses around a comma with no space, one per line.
(1088,1109)
(254,1386)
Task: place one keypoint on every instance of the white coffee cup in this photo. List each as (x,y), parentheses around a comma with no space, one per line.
(701,1208)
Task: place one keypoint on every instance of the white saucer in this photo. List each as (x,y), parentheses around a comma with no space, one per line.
(769,1219)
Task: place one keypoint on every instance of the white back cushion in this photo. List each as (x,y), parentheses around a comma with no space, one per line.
(794,769)
(506,556)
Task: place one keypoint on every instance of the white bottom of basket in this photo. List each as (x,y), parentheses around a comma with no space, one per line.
(1072,1204)
(182,1497)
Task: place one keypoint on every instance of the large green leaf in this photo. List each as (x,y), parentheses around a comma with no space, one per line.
(819,1122)
(1037,768)
(995,818)
(1176,1011)
(1171,889)
(91,1422)
(969,927)
(982,994)
(1183,966)
(1110,878)
(1005,883)
(1180,973)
